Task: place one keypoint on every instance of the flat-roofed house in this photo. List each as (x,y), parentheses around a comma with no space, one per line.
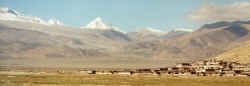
(184,67)
(211,72)
(104,73)
(164,69)
(86,71)
(228,73)
(122,72)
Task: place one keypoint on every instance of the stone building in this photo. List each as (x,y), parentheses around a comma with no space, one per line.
(122,72)
(103,73)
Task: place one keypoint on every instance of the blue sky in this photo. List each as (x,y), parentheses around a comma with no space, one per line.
(127,14)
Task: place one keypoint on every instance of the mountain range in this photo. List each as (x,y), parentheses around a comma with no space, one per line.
(12,15)
(31,41)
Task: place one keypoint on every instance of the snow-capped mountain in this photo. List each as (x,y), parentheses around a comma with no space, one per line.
(99,24)
(7,13)
(182,30)
(153,34)
(150,31)
(54,22)
(12,15)
(156,31)
(146,34)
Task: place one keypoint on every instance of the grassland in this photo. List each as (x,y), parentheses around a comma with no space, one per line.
(115,80)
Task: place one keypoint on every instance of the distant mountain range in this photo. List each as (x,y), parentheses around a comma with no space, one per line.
(31,41)
(12,15)
(149,34)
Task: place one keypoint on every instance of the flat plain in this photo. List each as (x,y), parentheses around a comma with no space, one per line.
(118,80)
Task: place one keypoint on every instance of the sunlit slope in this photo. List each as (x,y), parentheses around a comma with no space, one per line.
(240,54)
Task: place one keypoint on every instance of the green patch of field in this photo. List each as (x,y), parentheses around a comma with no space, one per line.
(115,80)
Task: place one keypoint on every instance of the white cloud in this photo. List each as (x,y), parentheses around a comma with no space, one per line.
(209,13)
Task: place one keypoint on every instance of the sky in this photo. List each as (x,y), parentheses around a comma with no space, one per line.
(129,14)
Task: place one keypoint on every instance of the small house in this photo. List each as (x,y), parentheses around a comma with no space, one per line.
(104,73)
(86,71)
(122,72)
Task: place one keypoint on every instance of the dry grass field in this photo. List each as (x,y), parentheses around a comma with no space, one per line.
(115,80)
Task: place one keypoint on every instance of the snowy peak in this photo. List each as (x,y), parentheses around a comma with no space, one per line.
(182,30)
(98,23)
(150,30)
(54,22)
(153,30)
(12,15)
(8,11)
(4,10)
(8,14)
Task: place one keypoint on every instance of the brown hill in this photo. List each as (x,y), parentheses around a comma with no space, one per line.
(240,54)
(201,44)
(38,45)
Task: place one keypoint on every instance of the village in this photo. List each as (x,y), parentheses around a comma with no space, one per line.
(200,68)
(209,67)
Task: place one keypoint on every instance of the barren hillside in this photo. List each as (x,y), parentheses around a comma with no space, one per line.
(240,54)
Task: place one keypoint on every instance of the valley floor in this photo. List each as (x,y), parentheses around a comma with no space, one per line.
(116,80)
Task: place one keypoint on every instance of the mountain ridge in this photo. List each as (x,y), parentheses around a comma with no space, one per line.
(12,15)
(33,44)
